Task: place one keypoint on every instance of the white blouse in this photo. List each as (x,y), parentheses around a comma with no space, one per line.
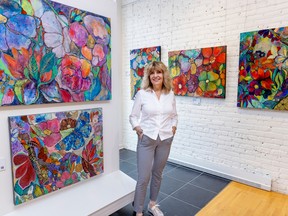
(154,116)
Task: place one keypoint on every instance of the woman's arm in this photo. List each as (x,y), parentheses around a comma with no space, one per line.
(174,116)
(134,117)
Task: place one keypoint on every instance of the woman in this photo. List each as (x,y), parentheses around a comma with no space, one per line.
(155,104)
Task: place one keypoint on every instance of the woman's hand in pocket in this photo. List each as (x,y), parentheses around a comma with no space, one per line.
(139,131)
(174,130)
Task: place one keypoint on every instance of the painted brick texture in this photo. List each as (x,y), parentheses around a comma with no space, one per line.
(251,140)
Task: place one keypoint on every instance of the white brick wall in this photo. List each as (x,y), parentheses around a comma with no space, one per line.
(249,140)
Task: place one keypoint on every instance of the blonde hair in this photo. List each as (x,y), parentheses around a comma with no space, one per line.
(156,66)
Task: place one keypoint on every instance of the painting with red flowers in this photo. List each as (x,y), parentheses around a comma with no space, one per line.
(199,72)
(263,69)
(54,150)
(139,58)
(53,53)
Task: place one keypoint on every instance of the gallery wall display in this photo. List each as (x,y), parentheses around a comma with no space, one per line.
(54,150)
(51,53)
(139,58)
(263,69)
(199,72)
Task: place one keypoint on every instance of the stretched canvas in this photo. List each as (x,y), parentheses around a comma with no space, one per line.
(139,58)
(199,72)
(54,150)
(51,53)
(263,69)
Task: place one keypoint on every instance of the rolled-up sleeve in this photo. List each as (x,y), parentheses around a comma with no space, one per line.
(134,117)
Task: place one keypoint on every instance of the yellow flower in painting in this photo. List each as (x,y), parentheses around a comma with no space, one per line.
(174,65)
(193,68)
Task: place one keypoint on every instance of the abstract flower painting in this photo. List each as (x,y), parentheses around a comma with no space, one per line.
(199,72)
(51,53)
(139,58)
(54,150)
(263,69)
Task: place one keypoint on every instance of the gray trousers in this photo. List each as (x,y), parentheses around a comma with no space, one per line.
(152,156)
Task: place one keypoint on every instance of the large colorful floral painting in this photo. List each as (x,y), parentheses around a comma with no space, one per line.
(139,58)
(54,150)
(199,72)
(52,53)
(263,69)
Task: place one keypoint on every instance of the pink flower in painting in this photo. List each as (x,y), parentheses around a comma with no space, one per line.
(67,179)
(96,27)
(93,42)
(24,171)
(56,33)
(78,34)
(74,78)
(96,55)
(51,129)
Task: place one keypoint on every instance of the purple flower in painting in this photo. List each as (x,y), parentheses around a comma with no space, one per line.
(16,29)
(97,28)
(184,64)
(92,37)
(192,83)
(78,34)
(16,146)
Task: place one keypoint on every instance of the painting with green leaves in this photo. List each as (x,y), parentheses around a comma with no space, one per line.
(199,72)
(51,53)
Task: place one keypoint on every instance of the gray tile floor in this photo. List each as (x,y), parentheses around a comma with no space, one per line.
(184,191)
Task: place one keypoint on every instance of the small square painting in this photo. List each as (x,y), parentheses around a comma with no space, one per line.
(139,58)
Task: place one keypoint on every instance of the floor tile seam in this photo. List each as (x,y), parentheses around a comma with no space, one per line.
(203,188)
(195,178)
(170,196)
(178,189)
(186,202)
(179,179)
